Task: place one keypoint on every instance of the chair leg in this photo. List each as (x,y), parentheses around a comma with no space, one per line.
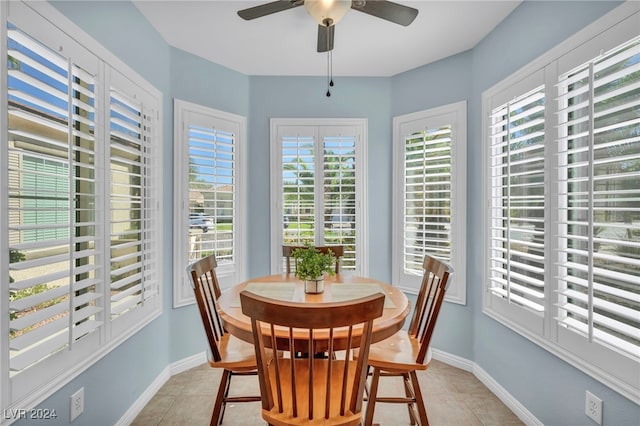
(366,384)
(422,411)
(373,393)
(406,381)
(218,407)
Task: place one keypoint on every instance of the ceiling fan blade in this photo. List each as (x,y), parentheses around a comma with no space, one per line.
(325,37)
(268,9)
(387,10)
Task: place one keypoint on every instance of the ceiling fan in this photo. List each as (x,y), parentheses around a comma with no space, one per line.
(328,12)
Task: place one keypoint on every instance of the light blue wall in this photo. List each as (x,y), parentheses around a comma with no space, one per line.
(273,97)
(202,82)
(441,83)
(548,387)
(551,389)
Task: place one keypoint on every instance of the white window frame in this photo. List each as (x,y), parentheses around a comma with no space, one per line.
(228,275)
(277,125)
(614,369)
(46,24)
(454,115)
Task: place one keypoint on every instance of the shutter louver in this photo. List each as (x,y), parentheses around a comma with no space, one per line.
(427,197)
(517,163)
(340,196)
(52,207)
(212,189)
(599,157)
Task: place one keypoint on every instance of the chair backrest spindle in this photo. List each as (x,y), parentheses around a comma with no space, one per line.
(207,290)
(428,303)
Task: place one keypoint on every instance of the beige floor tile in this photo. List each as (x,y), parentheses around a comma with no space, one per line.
(191,410)
(448,410)
(490,410)
(154,411)
(245,414)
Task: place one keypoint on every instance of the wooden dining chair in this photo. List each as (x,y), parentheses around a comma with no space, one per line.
(287,253)
(407,351)
(234,356)
(297,391)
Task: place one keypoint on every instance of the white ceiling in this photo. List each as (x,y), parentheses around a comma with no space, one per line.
(284,43)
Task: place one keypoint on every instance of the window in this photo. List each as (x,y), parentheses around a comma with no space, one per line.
(319,186)
(208,162)
(81,157)
(430,195)
(563,228)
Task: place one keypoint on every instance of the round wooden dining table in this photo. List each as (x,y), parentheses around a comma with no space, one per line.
(342,287)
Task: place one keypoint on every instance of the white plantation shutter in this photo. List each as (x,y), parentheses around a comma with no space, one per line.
(212,182)
(599,158)
(82,220)
(427,206)
(517,201)
(319,186)
(430,195)
(339,183)
(208,182)
(133,198)
(52,201)
(298,181)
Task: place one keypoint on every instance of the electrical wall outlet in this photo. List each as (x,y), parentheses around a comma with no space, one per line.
(77,404)
(593,407)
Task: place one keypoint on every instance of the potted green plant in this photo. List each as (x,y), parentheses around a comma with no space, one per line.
(311,266)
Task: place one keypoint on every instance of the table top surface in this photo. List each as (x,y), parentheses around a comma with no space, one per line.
(288,287)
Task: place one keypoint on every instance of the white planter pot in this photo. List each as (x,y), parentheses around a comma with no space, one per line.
(314,286)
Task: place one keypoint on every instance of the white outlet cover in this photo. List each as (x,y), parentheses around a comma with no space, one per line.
(593,407)
(76,406)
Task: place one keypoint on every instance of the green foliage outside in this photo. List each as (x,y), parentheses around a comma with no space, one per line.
(15,256)
(299,193)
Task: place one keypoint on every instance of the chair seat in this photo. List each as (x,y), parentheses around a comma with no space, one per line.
(319,394)
(397,353)
(236,354)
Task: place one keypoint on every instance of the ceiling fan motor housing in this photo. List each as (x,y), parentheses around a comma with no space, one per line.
(327,12)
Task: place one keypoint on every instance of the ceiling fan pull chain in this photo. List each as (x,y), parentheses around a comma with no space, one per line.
(329,79)
(331,68)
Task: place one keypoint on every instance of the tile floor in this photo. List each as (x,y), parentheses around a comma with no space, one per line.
(453,397)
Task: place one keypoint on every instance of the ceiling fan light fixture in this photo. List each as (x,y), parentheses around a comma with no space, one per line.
(327,12)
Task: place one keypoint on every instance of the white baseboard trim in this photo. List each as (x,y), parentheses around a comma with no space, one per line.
(507,399)
(452,360)
(170,370)
(188,363)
